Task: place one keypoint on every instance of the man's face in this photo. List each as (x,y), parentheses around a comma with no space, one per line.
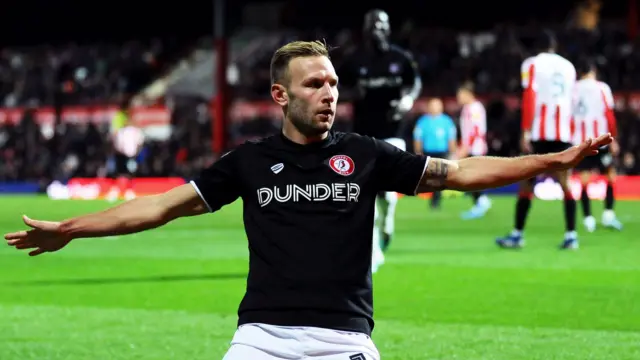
(434,107)
(311,97)
(463,96)
(377,27)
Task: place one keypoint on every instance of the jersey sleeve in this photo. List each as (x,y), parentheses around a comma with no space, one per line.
(527,72)
(481,121)
(609,101)
(411,71)
(398,170)
(218,185)
(607,94)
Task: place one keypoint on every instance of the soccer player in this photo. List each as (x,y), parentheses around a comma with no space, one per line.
(593,115)
(127,141)
(308,202)
(388,82)
(473,134)
(548,80)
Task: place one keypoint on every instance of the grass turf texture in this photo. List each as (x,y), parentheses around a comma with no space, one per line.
(446,291)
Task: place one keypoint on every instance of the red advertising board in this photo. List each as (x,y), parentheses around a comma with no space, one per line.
(625,188)
(101,188)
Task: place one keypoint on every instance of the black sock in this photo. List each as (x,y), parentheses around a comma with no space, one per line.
(476,195)
(570,212)
(586,202)
(609,200)
(522,210)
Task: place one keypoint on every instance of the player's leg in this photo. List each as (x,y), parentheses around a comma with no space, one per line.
(390,201)
(436,196)
(120,171)
(585,202)
(436,199)
(131,168)
(481,204)
(609,218)
(377,256)
(387,203)
(515,239)
(570,236)
(265,342)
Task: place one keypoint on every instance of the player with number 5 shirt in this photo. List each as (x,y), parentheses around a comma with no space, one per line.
(548,80)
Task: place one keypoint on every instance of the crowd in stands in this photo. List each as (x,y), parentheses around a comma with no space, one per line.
(81,74)
(100,74)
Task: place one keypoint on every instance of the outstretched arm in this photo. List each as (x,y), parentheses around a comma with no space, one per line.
(484,172)
(137,215)
(133,216)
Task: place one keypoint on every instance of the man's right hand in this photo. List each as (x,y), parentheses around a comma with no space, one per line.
(44,236)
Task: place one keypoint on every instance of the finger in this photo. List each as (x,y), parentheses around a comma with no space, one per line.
(16,242)
(586,144)
(39,224)
(26,246)
(36,252)
(15,235)
(605,139)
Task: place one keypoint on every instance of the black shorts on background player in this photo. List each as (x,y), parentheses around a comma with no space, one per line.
(548,147)
(601,162)
(122,165)
(308,215)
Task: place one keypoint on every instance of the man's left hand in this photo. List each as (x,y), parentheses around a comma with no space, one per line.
(569,158)
(404,105)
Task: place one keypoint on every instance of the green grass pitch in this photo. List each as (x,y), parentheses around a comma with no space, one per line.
(446,292)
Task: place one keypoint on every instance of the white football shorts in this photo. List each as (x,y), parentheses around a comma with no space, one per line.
(269,342)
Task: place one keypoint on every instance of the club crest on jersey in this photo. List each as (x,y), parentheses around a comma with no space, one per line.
(342,164)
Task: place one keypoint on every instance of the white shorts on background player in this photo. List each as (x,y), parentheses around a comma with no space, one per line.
(269,342)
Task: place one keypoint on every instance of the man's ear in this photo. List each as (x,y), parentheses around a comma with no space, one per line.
(279,94)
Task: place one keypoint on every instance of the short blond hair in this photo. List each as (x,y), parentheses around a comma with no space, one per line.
(283,56)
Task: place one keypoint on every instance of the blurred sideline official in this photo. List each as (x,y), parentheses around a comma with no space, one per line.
(127,140)
(435,135)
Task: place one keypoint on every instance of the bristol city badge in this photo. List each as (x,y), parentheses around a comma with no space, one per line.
(342,164)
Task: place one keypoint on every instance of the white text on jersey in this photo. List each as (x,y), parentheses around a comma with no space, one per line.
(339,192)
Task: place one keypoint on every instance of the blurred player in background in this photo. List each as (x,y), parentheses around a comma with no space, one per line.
(593,115)
(435,135)
(388,82)
(127,140)
(473,134)
(548,80)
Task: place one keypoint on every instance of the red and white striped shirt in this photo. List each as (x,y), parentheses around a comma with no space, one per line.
(593,106)
(473,128)
(548,81)
(128,140)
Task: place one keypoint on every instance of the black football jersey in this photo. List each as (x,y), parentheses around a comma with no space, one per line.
(308,215)
(379,79)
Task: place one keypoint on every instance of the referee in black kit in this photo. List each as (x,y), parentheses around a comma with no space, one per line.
(308,198)
(387,82)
